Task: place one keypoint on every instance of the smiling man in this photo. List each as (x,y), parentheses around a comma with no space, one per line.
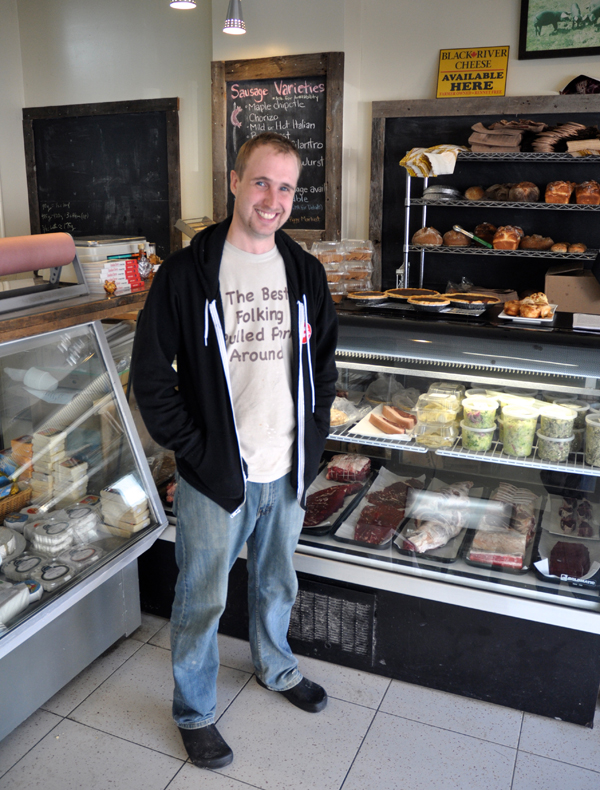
(248,316)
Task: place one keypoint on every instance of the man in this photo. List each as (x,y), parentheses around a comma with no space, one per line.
(248,316)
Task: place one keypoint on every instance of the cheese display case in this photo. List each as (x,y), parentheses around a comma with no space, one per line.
(78,506)
(476,451)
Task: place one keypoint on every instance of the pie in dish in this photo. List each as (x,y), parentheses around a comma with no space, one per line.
(405,293)
(370,296)
(431,303)
(473,299)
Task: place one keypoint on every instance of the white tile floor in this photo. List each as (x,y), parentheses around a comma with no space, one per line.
(111,729)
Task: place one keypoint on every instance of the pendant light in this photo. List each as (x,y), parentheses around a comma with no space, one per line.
(234,23)
(183,3)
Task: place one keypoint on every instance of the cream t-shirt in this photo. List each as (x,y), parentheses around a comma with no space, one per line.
(259,352)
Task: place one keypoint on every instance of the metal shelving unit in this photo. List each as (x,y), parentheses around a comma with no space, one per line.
(588,255)
(503,204)
(469,156)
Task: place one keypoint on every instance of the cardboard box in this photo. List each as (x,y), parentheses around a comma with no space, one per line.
(573,289)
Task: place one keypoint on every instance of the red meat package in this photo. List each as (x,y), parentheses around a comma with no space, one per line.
(349,468)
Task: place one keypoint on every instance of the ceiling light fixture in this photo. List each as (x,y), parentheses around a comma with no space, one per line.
(183,3)
(234,23)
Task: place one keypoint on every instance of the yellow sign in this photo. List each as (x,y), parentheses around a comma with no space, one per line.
(478,71)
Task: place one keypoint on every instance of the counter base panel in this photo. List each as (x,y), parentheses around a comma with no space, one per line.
(37,669)
(534,667)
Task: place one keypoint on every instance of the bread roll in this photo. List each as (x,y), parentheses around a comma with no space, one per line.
(498,192)
(560,246)
(506,238)
(453,238)
(539,298)
(524,192)
(428,236)
(512,307)
(577,247)
(588,193)
(475,193)
(485,231)
(530,310)
(536,242)
(559,191)
(545,311)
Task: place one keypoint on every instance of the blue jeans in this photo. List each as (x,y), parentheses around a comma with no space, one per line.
(208,542)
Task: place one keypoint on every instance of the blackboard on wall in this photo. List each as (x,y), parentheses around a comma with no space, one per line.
(299,97)
(105,169)
(399,126)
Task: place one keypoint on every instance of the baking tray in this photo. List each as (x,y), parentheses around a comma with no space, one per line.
(529,549)
(345,532)
(451,551)
(544,547)
(551,520)
(521,320)
(331,522)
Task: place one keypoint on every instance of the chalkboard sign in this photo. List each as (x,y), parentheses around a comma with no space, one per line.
(402,125)
(105,169)
(300,98)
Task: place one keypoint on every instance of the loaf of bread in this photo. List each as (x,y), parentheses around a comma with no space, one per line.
(559,191)
(485,231)
(453,238)
(512,307)
(524,192)
(498,192)
(577,247)
(536,242)
(475,193)
(507,237)
(427,236)
(530,311)
(588,193)
(560,246)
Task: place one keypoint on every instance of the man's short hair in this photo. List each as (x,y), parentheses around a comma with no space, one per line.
(277,141)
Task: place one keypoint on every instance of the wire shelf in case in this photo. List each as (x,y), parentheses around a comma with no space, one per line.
(511,204)
(588,255)
(575,463)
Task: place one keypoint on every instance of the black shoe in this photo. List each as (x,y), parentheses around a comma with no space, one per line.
(206,748)
(306,695)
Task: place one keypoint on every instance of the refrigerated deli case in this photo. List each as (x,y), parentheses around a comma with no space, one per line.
(478,619)
(78,507)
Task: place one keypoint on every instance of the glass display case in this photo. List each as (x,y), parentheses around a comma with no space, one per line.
(478,480)
(78,503)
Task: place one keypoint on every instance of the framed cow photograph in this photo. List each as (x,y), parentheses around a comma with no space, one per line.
(559,28)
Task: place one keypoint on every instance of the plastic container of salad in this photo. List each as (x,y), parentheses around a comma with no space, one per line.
(580,407)
(480,412)
(476,439)
(556,421)
(592,439)
(550,448)
(519,430)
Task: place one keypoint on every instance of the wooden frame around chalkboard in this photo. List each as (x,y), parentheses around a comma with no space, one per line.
(170,108)
(331,66)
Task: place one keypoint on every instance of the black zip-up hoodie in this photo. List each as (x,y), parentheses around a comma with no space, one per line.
(189,410)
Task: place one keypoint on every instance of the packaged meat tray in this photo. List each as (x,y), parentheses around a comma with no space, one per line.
(504,537)
(579,559)
(380,512)
(439,518)
(328,503)
(572,517)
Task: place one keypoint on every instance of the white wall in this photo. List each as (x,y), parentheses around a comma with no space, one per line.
(81,51)
(78,51)
(14,215)
(392,51)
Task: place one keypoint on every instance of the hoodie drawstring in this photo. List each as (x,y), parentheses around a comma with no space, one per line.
(310,370)
(206,322)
